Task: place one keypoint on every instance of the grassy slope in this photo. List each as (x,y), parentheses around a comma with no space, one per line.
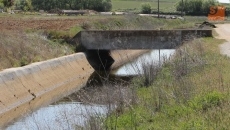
(197,99)
(19,48)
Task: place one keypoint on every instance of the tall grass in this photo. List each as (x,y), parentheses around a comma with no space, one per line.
(190,92)
(19,48)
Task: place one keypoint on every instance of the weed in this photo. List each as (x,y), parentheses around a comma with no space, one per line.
(189,92)
(207,101)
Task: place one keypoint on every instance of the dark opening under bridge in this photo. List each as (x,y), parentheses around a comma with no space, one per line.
(99,43)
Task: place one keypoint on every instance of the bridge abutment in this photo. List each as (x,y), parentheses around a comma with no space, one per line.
(99,59)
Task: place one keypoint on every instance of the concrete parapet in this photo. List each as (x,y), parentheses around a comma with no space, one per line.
(24,89)
(137,39)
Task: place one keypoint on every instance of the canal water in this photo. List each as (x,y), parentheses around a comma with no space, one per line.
(75,111)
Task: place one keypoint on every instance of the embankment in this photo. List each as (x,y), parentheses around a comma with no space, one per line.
(24,89)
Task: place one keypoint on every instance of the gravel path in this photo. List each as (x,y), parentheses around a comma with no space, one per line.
(223,31)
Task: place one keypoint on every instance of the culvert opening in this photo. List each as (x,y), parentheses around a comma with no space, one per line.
(100,59)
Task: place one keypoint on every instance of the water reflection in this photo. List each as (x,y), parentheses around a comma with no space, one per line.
(135,67)
(63,116)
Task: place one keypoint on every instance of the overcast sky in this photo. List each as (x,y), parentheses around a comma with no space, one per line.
(223,1)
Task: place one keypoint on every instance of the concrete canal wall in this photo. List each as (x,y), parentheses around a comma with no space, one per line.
(124,56)
(24,89)
(138,39)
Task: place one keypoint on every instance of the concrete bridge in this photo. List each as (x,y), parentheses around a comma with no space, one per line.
(138,39)
(99,43)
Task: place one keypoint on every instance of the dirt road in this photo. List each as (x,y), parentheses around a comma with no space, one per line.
(223,31)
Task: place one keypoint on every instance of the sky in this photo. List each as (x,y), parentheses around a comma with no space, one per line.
(224,1)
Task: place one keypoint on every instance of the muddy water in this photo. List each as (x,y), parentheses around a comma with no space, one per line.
(74,111)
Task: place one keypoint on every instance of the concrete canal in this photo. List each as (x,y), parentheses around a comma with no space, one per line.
(75,111)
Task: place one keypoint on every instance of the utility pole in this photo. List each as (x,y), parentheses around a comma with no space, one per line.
(182,9)
(158,9)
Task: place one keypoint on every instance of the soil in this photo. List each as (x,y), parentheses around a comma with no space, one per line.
(47,23)
(223,31)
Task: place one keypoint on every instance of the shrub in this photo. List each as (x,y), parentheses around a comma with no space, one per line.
(195,7)
(146,8)
(1,5)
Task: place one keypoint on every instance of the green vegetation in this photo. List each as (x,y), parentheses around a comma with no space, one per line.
(146,8)
(140,22)
(191,91)
(25,5)
(196,7)
(8,3)
(98,5)
(135,5)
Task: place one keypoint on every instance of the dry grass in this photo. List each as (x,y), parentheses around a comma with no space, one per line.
(18,48)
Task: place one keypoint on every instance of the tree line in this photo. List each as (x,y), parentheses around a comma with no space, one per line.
(197,7)
(26,5)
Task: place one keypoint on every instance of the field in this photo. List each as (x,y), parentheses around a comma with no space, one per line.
(135,6)
(37,22)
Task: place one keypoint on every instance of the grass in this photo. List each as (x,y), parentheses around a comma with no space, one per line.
(140,23)
(190,92)
(23,48)
(135,5)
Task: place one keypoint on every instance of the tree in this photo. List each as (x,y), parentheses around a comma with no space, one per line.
(98,5)
(146,8)
(196,7)
(8,3)
(25,5)
(207,4)
(1,4)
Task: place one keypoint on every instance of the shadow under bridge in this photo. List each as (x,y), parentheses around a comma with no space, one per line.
(98,43)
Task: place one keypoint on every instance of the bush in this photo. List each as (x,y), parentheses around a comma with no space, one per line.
(146,8)
(195,7)
(24,5)
(1,5)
